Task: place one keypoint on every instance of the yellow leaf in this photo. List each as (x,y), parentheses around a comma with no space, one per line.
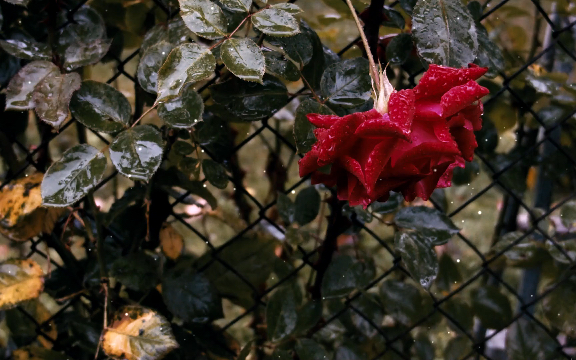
(32,352)
(171,242)
(20,280)
(138,333)
(21,213)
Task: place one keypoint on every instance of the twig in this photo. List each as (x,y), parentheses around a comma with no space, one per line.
(373,68)
(316,97)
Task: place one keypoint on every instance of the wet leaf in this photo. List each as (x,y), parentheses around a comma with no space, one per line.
(33,352)
(489,54)
(183,148)
(184,111)
(322,58)
(568,214)
(457,348)
(82,54)
(243,58)
(281,316)
(288,7)
(69,179)
(423,347)
(137,333)
(137,271)
(237,5)
(251,101)
(21,87)
(402,301)
(307,205)
(286,208)
(348,353)
(344,274)
(347,83)
(20,280)
(433,225)
(395,19)
(150,63)
(280,354)
(100,107)
(449,276)
(137,152)
(399,49)
(310,350)
(171,242)
(527,252)
(204,17)
(26,49)
(174,32)
(491,307)
(215,173)
(191,296)
(277,66)
(299,48)
(22,215)
(444,32)
(176,178)
(276,22)
(460,316)
(185,64)
(568,253)
(52,97)
(418,255)
(303,129)
(526,340)
(391,205)
(308,315)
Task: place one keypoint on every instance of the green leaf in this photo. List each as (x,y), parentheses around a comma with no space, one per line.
(526,340)
(308,316)
(243,58)
(489,54)
(391,205)
(423,347)
(399,49)
(251,101)
(184,111)
(253,257)
(457,348)
(277,66)
(214,134)
(568,214)
(303,129)
(298,48)
(237,5)
(191,296)
(462,314)
(101,107)
(475,9)
(183,148)
(402,301)
(322,57)
(408,5)
(418,256)
(288,7)
(79,169)
(286,208)
(137,271)
(368,311)
(444,32)
(347,83)
(558,306)
(21,86)
(449,275)
(433,225)
(395,19)
(281,314)
(344,274)
(150,63)
(215,173)
(52,97)
(204,18)
(175,32)
(491,307)
(348,353)
(276,22)
(185,64)
(26,49)
(139,332)
(526,253)
(176,178)
(310,350)
(307,205)
(137,152)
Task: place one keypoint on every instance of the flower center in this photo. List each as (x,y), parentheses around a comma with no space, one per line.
(382,97)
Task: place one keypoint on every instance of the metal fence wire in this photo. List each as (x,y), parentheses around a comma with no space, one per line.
(535,149)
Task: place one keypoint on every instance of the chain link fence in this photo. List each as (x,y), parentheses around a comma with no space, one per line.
(537,150)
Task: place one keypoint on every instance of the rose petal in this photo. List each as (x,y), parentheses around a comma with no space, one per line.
(466,140)
(474,114)
(439,79)
(309,163)
(446,178)
(424,188)
(376,162)
(460,97)
(339,138)
(378,126)
(428,109)
(352,166)
(401,110)
(323,121)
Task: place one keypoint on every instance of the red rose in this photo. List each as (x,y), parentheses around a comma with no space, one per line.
(409,143)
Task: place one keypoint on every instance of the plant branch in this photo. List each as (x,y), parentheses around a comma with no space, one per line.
(373,68)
